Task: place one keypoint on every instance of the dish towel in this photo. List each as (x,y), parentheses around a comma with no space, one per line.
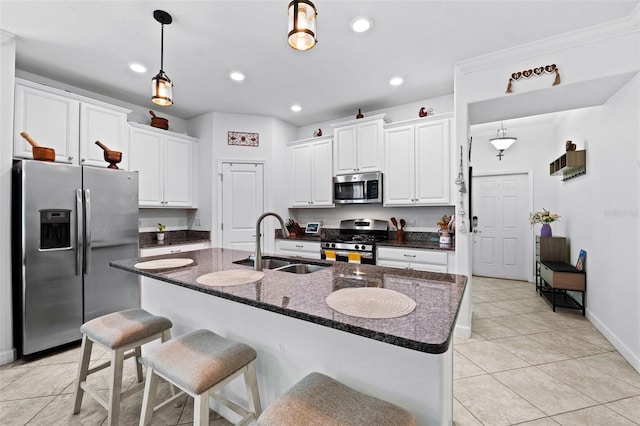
(354,257)
(330,255)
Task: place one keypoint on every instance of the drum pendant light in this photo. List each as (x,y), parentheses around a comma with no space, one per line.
(162,87)
(302,24)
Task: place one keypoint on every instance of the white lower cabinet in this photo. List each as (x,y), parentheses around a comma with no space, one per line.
(164,161)
(410,258)
(173,248)
(298,248)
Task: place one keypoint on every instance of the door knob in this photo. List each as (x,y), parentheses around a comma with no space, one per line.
(475,231)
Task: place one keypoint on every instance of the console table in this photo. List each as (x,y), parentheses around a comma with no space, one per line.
(559,277)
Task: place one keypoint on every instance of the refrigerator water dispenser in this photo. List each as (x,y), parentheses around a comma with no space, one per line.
(55,229)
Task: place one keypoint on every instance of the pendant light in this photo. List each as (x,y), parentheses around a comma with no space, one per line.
(501,142)
(162,87)
(302,24)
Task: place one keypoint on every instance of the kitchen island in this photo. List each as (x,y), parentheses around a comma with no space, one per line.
(406,360)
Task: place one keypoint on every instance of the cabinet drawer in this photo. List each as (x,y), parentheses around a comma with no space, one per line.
(432,257)
(299,246)
(562,280)
(173,248)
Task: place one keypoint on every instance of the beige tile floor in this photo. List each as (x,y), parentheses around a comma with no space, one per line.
(524,364)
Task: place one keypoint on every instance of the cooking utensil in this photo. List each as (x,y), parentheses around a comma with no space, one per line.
(395,222)
(39,152)
(111,157)
(402,224)
(159,122)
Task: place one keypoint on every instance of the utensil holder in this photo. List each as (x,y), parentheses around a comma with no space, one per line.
(399,236)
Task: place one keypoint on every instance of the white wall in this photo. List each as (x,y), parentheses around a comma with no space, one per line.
(212,129)
(602,214)
(611,137)
(7,66)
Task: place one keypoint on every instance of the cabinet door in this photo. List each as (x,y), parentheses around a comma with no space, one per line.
(322,177)
(432,162)
(107,126)
(369,147)
(301,175)
(344,156)
(177,173)
(399,178)
(52,120)
(147,158)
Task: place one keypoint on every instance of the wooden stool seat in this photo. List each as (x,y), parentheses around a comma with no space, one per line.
(321,400)
(123,333)
(200,363)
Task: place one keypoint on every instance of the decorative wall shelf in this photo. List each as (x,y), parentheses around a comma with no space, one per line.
(569,165)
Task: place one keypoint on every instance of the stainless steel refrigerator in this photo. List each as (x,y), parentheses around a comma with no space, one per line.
(69,222)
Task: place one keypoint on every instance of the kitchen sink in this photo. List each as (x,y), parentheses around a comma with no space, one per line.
(301,268)
(267,262)
(283,265)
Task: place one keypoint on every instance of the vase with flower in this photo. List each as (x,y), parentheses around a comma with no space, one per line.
(545,218)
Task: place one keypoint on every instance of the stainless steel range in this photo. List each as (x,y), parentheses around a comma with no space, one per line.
(356,242)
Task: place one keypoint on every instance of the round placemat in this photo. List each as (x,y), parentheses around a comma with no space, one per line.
(175,262)
(230,277)
(371,302)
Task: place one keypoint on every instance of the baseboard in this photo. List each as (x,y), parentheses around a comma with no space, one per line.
(632,358)
(462,331)
(7,356)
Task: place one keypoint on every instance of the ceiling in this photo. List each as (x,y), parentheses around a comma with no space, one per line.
(90,44)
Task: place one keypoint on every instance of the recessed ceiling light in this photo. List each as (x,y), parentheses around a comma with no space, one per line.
(139,68)
(237,76)
(360,24)
(396,81)
(296,108)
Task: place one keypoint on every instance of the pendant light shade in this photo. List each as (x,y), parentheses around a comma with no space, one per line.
(501,142)
(302,24)
(161,85)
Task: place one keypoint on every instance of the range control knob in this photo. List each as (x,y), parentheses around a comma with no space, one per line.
(363,248)
(332,245)
(357,247)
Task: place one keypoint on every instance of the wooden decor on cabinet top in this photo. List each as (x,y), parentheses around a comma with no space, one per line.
(569,165)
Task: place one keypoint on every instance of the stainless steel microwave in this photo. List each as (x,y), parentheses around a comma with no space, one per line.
(361,188)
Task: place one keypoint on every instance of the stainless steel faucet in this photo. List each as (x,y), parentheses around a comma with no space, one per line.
(258,260)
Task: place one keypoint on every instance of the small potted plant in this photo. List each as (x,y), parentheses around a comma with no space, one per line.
(160,233)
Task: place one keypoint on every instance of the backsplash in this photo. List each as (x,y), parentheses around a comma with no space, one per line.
(148,239)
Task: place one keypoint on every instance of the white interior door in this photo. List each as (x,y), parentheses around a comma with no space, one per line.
(242,203)
(500,236)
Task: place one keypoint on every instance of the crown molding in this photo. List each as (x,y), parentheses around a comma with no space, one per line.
(612,29)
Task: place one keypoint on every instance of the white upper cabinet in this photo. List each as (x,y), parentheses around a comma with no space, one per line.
(107,126)
(312,174)
(417,163)
(164,162)
(68,123)
(359,146)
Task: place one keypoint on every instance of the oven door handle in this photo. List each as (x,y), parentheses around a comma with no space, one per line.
(345,253)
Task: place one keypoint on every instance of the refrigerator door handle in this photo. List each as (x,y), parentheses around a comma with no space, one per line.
(87,224)
(79,232)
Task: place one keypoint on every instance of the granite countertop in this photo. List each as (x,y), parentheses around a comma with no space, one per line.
(428,328)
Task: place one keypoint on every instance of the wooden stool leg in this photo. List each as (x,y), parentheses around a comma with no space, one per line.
(201,409)
(148,400)
(115,387)
(83,368)
(137,360)
(253,395)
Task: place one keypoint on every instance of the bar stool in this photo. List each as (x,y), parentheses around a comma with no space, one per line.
(321,400)
(200,363)
(123,333)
